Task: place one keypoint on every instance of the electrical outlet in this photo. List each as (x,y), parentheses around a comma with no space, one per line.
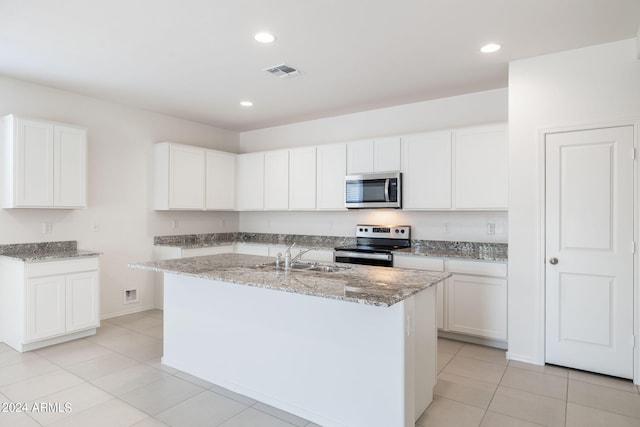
(491,228)
(95,228)
(447,228)
(47,228)
(174,223)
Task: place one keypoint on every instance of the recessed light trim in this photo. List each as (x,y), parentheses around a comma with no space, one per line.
(264,37)
(246,103)
(490,48)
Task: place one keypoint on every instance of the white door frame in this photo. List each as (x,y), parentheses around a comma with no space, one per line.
(543,229)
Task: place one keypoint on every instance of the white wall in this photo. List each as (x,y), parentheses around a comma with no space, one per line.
(463,226)
(120,142)
(594,85)
(446,113)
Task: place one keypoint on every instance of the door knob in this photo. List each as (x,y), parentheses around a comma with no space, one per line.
(553,261)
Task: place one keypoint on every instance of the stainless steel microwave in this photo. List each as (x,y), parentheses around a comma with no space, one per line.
(380,190)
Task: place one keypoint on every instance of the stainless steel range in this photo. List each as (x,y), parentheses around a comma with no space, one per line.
(374,245)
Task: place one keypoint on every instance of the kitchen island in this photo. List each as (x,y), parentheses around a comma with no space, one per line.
(352,347)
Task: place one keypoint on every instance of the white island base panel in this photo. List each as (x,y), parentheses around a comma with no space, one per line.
(332,362)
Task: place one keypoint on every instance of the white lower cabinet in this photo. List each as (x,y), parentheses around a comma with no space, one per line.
(50,302)
(473,301)
(477,299)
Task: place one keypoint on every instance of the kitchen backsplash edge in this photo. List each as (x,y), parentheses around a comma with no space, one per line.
(434,248)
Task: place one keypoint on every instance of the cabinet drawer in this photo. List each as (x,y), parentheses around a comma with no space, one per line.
(417,262)
(51,268)
(482,268)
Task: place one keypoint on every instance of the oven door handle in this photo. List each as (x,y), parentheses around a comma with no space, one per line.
(387,183)
(363,255)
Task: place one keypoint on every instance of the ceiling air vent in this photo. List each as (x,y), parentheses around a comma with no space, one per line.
(282,70)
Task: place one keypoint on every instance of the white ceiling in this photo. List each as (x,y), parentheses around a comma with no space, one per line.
(196,59)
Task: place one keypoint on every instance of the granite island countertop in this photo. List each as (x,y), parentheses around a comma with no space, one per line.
(45,251)
(379,286)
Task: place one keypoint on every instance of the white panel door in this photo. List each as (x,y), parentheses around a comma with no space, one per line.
(331,170)
(34,164)
(426,168)
(82,307)
(70,167)
(220,181)
(589,241)
(302,178)
(186,177)
(45,307)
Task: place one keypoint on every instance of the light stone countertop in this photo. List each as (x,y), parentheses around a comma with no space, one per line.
(379,286)
(45,251)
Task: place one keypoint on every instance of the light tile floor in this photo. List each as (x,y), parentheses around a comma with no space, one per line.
(115,379)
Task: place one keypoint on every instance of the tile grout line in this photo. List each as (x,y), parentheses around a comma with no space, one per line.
(494,392)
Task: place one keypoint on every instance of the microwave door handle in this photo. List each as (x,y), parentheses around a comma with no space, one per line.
(386,189)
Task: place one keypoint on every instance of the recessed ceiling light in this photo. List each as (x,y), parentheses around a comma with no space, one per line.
(490,48)
(265,37)
(246,103)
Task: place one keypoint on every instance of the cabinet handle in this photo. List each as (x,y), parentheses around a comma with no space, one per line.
(553,261)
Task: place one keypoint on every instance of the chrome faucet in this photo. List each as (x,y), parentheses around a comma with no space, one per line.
(287,257)
(302,252)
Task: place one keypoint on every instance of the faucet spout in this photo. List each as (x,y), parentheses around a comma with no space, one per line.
(302,252)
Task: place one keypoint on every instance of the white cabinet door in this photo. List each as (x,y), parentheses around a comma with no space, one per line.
(276,180)
(360,157)
(220,188)
(331,170)
(45,307)
(82,307)
(33,163)
(186,177)
(386,154)
(477,306)
(426,167)
(250,181)
(481,167)
(302,178)
(372,156)
(70,167)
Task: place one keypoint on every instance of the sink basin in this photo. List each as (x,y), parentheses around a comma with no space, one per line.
(313,266)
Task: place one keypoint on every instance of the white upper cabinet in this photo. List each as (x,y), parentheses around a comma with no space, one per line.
(426,167)
(250,181)
(276,180)
(70,167)
(44,164)
(193,178)
(481,167)
(186,177)
(220,188)
(179,177)
(372,156)
(331,170)
(302,178)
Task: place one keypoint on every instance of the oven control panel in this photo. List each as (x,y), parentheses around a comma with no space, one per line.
(384,231)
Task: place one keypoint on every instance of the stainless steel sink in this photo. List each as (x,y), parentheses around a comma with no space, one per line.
(312,266)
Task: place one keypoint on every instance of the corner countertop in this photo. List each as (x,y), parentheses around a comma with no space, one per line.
(45,251)
(378,286)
